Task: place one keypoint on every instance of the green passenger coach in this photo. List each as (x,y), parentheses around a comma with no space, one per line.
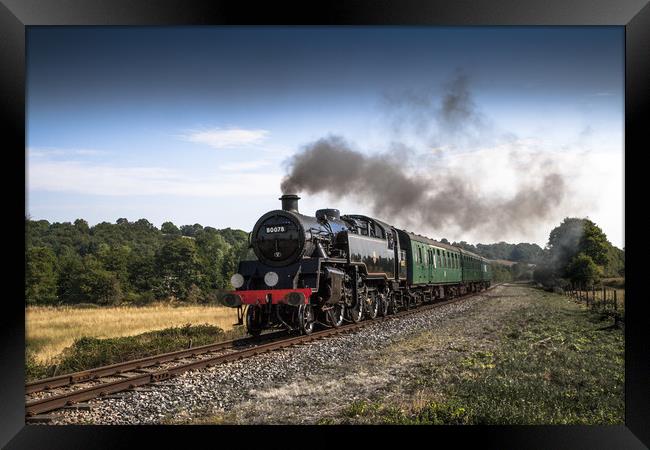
(432,263)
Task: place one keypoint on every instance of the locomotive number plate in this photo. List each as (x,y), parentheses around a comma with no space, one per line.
(279,229)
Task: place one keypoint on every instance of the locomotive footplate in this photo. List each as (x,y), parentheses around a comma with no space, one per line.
(293,297)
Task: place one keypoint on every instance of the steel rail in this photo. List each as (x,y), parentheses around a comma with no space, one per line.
(69,398)
(136,364)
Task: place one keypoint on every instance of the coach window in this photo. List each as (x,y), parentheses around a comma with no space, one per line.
(391,244)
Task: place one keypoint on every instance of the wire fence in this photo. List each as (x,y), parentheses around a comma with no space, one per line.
(605,299)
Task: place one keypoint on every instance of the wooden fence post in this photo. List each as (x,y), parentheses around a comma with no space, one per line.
(593,293)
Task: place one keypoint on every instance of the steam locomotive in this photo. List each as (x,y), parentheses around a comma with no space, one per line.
(302,271)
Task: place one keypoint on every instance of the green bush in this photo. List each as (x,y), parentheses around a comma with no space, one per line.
(87,353)
(583,270)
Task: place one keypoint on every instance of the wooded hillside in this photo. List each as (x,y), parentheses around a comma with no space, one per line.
(127,262)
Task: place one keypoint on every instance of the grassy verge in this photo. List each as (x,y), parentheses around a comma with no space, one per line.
(88,352)
(51,329)
(554,363)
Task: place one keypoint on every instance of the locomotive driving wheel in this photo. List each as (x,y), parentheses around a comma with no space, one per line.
(306,318)
(373,305)
(254,320)
(355,311)
(335,315)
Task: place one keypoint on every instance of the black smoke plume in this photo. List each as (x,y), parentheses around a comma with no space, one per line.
(330,166)
(408,190)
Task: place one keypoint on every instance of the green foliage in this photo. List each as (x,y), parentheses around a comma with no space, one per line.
(86,353)
(501,273)
(615,266)
(579,251)
(40,276)
(127,261)
(170,228)
(432,413)
(583,270)
(177,266)
(522,252)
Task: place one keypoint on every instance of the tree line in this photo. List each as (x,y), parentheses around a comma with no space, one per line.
(137,263)
(127,262)
(522,252)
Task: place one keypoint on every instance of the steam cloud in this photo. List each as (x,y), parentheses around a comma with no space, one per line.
(400,190)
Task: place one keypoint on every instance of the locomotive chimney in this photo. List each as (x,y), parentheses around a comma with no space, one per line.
(290,202)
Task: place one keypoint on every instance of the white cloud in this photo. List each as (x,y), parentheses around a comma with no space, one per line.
(594,186)
(94,179)
(225,138)
(54,151)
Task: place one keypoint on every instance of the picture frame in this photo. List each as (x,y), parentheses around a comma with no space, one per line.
(634,15)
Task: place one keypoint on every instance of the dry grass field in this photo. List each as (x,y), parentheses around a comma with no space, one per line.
(50,329)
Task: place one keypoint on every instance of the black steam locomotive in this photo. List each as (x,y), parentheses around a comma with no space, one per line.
(327,269)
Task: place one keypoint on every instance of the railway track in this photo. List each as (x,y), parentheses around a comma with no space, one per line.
(66,390)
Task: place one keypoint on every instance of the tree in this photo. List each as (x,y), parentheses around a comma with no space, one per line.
(594,243)
(115,260)
(83,280)
(564,240)
(143,276)
(170,228)
(82,226)
(575,236)
(109,262)
(40,276)
(213,252)
(177,265)
(98,285)
(583,270)
(70,271)
(191,230)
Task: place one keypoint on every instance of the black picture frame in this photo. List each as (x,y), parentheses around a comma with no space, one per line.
(634,15)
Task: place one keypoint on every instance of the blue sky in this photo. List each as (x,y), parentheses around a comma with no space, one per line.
(197,124)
